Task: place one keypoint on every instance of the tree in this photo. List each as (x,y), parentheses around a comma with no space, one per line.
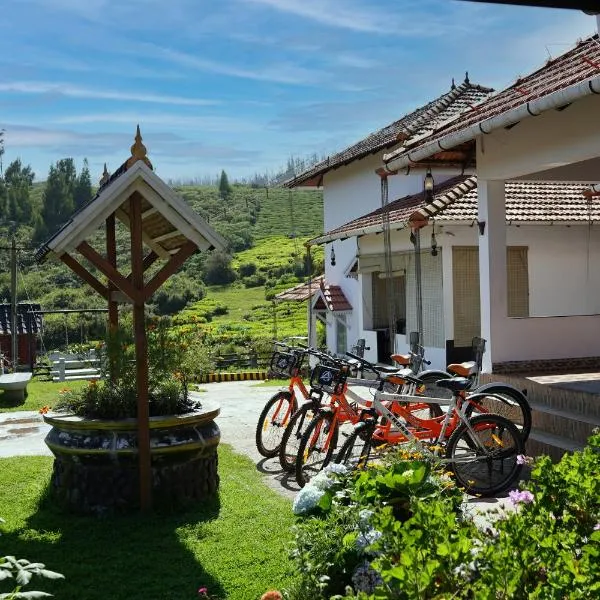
(224,187)
(17,185)
(58,203)
(82,192)
(217,269)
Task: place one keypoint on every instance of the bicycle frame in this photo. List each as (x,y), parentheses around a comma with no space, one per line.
(455,414)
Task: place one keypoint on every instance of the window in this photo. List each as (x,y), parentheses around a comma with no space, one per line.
(517,281)
(341,336)
(380,288)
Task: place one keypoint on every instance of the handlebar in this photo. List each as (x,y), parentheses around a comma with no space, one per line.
(380,374)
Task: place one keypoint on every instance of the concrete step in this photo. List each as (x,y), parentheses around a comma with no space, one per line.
(563,423)
(555,446)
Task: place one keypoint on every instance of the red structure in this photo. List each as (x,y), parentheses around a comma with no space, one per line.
(29,325)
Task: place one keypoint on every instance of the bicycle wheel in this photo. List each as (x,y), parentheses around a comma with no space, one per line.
(356,450)
(290,442)
(484,461)
(272,422)
(316,447)
(507,402)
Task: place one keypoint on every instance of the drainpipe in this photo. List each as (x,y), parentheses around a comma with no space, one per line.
(401,159)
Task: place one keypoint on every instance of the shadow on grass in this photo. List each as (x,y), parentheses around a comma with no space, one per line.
(7,402)
(119,557)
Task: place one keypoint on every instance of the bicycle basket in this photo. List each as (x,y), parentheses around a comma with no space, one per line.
(328,378)
(285,364)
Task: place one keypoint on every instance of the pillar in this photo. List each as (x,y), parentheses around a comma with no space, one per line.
(492,266)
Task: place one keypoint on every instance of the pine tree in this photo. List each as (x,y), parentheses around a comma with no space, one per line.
(58,204)
(224,187)
(82,192)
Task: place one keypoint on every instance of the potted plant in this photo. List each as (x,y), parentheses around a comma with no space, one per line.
(94,430)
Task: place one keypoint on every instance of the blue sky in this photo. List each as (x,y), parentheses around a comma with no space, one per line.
(242,84)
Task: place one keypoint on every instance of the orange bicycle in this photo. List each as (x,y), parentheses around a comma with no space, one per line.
(286,361)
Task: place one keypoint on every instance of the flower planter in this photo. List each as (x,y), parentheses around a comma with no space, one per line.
(96,467)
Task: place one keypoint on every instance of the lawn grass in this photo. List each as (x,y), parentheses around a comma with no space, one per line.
(39,393)
(236,546)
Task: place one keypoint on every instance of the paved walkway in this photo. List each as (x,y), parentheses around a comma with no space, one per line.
(22,433)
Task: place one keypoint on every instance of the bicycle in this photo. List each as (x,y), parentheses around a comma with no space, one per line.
(503,399)
(482,450)
(304,416)
(279,409)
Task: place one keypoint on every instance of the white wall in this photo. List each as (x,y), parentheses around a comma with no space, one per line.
(348,193)
(564,287)
(548,141)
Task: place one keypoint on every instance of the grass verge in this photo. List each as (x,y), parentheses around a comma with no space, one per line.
(236,545)
(39,394)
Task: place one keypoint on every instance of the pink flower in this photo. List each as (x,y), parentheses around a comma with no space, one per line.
(524,460)
(203,591)
(520,497)
(597,527)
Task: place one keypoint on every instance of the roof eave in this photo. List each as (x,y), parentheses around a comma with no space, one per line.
(402,158)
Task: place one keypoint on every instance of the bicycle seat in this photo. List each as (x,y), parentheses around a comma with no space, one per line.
(401,359)
(464,369)
(386,369)
(456,384)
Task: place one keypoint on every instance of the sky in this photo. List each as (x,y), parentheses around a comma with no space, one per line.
(241,85)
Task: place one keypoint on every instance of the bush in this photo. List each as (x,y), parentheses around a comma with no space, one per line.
(176,293)
(247,269)
(217,269)
(419,541)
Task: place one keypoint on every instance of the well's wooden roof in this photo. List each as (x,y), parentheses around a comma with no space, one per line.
(168,222)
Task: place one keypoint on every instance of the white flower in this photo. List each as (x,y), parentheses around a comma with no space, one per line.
(367,538)
(307,499)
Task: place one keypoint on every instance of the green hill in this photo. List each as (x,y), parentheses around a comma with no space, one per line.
(266,230)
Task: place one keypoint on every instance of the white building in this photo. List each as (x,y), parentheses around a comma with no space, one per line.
(549,230)
(351,188)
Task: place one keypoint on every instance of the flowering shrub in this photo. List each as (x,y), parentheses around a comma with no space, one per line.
(402,531)
(173,358)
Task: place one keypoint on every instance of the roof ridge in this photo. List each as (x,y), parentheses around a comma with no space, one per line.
(441,104)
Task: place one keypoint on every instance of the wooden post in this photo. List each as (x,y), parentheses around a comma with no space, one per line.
(141,353)
(113,309)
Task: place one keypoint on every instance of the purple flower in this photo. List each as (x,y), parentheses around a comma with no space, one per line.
(524,460)
(520,497)
(597,527)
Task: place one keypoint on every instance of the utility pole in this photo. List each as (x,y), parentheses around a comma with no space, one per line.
(13,305)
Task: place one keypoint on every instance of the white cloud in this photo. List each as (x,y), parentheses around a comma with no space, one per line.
(75,91)
(278,73)
(204,123)
(343,14)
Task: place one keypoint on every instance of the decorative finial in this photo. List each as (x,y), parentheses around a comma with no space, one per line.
(453,86)
(467,77)
(138,150)
(105,176)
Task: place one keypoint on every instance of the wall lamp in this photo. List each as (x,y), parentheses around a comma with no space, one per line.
(428,183)
(332,257)
(481,225)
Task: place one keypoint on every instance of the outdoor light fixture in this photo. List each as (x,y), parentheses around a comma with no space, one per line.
(481,225)
(434,250)
(428,183)
(332,257)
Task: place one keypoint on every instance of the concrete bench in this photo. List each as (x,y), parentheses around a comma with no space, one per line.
(15,386)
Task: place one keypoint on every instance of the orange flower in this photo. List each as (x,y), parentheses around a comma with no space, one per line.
(272,595)
(64,391)
(44,410)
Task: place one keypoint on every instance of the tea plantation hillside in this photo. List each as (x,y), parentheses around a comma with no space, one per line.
(266,230)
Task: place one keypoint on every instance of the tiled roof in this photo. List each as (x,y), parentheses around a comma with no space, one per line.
(420,122)
(302,291)
(26,322)
(575,66)
(332,298)
(456,200)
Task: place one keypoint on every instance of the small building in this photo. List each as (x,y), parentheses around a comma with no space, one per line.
(29,325)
